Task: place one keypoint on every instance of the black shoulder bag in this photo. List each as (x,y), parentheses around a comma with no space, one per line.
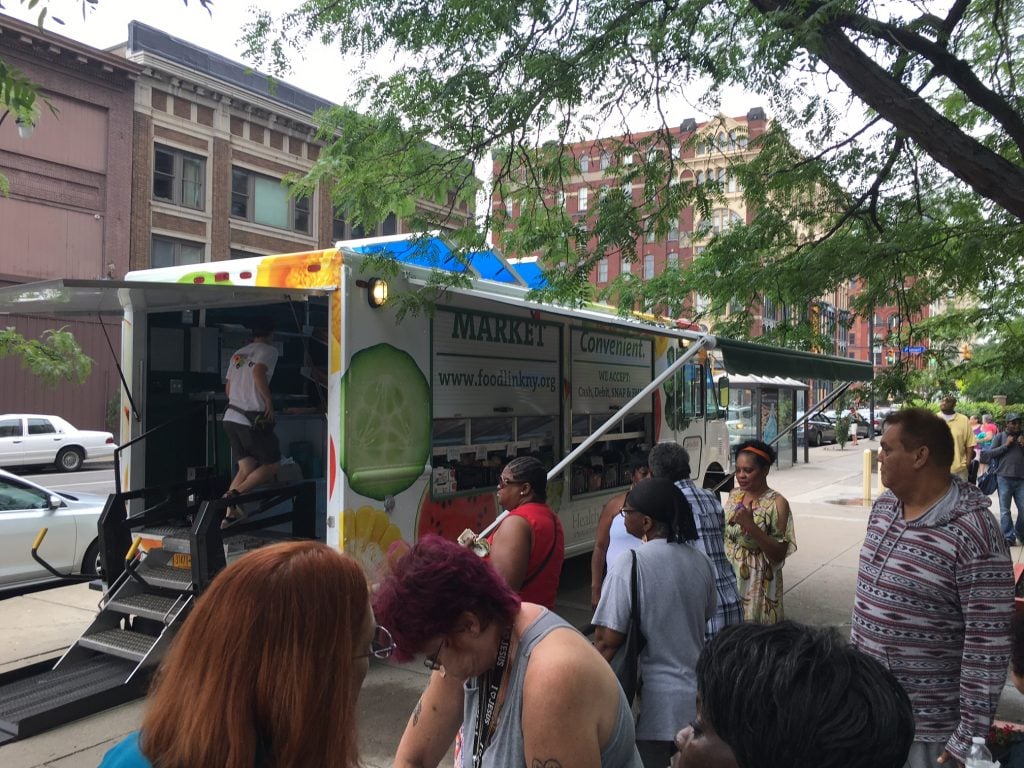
(626,662)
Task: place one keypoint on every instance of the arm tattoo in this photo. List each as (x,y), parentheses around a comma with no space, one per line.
(416,713)
(545,764)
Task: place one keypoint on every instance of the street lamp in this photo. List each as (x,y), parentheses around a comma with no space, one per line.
(25,124)
(25,127)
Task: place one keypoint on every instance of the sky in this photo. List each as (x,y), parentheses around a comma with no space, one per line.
(107,25)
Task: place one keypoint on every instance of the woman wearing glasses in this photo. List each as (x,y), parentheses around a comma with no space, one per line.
(528,547)
(526,687)
(677,596)
(267,668)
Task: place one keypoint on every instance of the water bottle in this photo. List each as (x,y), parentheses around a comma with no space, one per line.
(978,756)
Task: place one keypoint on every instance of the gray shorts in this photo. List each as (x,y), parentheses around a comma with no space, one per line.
(248,443)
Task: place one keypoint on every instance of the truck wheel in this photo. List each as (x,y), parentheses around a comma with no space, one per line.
(70,459)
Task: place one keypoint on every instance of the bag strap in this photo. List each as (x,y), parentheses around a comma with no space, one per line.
(634,613)
(537,571)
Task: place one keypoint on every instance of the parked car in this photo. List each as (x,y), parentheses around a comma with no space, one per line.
(881,412)
(862,423)
(739,423)
(819,429)
(27,439)
(71,545)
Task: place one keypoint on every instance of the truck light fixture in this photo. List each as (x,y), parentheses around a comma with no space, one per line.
(377,292)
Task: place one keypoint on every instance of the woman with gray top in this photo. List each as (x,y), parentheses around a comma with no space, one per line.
(526,687)
(676,592)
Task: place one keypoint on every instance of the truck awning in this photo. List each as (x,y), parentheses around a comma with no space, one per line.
(748,357)
(111,297)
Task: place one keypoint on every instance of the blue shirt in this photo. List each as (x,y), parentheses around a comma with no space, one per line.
(126,754)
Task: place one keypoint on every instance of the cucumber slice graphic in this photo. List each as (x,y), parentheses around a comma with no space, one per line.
(385,428)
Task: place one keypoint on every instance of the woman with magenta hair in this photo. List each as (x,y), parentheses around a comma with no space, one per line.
(759,534)
(266,669)
(525,686)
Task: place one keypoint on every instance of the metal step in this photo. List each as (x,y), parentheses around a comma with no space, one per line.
(148,605)
(166,576)
(119,642)
(57,687)
(175,539)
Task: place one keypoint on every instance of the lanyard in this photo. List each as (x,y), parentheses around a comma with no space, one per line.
(489,688)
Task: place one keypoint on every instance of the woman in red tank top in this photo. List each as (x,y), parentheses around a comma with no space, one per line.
(528,547)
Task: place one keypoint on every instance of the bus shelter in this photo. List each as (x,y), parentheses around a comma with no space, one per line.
(768,391)
(761,407)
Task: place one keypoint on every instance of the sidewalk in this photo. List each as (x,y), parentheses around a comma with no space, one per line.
(820,579)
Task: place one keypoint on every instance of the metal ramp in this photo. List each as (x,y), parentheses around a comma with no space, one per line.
(151,595)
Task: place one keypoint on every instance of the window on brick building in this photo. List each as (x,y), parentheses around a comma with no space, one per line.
(585,164)
(602,270)
(171,252)
(264,200)
(179,177)
(581,199)
(673,233)
(338,227)
(648,266)
(673,260)
(606,160)
(625,267)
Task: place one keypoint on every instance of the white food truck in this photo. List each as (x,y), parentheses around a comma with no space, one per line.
(405,424)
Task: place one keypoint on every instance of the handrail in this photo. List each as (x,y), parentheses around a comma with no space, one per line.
(39,559)
(143,436)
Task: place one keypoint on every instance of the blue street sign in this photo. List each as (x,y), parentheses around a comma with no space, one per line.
(914,350)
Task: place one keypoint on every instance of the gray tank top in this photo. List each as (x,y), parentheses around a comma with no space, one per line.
(506,748)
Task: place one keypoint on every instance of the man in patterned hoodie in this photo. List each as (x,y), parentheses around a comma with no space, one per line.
(934,589)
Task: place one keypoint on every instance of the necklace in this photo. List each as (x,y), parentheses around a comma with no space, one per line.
(488,689)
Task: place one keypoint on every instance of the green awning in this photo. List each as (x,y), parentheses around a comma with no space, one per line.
(750,358)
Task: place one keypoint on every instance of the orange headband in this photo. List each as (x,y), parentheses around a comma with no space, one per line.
(758,451)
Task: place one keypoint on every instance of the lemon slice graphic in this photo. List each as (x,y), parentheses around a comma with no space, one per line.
(373,540)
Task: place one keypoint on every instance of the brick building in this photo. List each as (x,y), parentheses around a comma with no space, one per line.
(69,209)
(213,139)
(162,153)
(705,152)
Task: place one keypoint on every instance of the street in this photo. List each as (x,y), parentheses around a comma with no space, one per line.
(95,478)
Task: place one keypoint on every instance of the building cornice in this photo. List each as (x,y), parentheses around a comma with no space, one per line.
(45,47)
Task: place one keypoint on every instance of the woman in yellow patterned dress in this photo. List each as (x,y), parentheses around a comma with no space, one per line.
(759,534)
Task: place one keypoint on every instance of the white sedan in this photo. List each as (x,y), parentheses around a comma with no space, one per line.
(28,438)
(71,544)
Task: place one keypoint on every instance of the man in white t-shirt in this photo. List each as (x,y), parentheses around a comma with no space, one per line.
(249,418)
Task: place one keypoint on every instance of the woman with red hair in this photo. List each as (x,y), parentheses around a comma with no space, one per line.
(525,686)
(266,669)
